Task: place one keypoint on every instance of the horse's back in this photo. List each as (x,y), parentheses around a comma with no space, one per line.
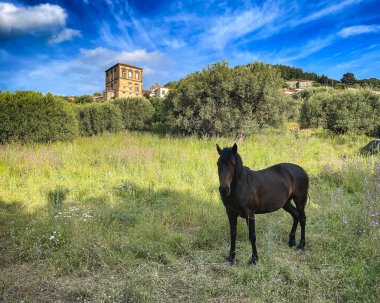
(296,176)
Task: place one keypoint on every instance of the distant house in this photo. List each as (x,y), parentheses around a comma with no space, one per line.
(299,85)
(158,90)
(123,80)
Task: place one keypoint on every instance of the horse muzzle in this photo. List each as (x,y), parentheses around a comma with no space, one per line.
(224,191)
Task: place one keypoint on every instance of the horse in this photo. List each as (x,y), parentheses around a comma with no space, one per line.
(245,193)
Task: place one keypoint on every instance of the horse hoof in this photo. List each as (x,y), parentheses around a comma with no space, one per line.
(229,261)
(253,261)
(300,248)
(292,243)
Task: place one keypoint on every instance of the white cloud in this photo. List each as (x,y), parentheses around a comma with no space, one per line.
(64,35)
(358,30)
(16,20)
(47,19)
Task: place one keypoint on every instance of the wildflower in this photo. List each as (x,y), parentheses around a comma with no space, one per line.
(344,220)
(374,223)
(374,214)
(52,238)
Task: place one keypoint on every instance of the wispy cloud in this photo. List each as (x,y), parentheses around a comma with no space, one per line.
(328,10)
(233,26)
(366,59)
(358,30)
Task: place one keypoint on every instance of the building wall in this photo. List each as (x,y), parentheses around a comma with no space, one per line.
(300,84)
(161,92)
(124,80)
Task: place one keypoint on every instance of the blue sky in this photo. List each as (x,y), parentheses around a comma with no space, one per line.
(64,47)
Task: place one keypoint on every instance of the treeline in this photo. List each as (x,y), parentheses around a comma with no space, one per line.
(294,73)
(217,101)
(348,79)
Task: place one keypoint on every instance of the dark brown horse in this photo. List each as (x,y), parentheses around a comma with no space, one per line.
(245,192)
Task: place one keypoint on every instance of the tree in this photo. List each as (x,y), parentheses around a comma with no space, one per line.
(348,78)
(221,100)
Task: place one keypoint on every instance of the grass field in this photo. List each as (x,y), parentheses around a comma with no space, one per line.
(135,217)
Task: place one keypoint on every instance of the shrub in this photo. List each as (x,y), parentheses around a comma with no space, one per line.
(341,112)
(136,112)
(31,116)
(96,118)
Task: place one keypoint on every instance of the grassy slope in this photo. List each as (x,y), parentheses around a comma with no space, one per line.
(135,217)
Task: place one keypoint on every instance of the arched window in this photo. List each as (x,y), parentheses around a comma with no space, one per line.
(129,73)
(137,75)
(123,73)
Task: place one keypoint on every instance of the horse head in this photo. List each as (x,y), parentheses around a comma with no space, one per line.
(226,168)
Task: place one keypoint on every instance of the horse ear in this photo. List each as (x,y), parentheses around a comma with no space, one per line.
(218,149)
(234,149)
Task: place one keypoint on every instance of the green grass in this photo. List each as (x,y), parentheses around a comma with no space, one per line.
(135,217)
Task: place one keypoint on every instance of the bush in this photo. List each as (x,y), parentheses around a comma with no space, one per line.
(224,101)
(136,112)
(341,112)
(96,118)
(30,116)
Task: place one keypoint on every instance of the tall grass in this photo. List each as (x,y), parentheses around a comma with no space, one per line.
(135,217)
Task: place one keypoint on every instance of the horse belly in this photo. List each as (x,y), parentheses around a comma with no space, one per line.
(272,201)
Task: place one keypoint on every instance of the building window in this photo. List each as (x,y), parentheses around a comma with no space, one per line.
(123,73)
(136,75)
(136,89)
(129,74)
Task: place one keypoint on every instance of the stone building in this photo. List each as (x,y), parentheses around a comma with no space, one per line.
(123,80)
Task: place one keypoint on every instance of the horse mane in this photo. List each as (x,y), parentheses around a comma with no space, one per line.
(238,165)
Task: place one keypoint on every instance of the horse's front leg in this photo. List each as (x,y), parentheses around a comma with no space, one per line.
(252,238)
(233,222)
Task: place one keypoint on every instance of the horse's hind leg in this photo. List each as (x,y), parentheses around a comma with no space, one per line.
(300,204)
(294,213)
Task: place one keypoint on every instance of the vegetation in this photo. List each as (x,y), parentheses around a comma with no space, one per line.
(137,218)
(224,101)
(341,112)
(136,112)
(348,78)
(97,118)
(84,99)
(31,116)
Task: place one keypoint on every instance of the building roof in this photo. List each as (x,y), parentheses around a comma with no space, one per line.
(124,64)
